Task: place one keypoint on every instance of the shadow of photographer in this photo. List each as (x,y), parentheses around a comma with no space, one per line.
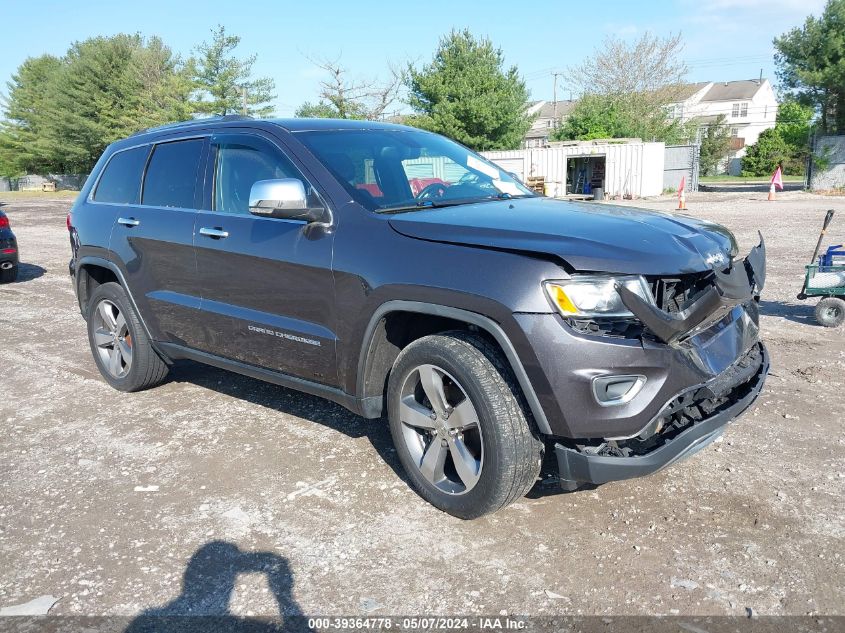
(207,586)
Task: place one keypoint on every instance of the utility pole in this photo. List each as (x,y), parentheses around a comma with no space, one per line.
(243,98)
(554,97)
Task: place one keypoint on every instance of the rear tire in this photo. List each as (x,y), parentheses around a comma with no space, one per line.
(9,275)
(830,312)
(474,451)
(119,344)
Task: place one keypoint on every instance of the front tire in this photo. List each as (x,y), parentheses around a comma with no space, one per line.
(830,312)
(459,427)
(121,347)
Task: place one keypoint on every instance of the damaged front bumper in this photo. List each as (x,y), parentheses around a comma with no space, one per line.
(687,424)
(717,331)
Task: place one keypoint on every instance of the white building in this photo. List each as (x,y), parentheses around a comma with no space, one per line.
(621,169)
(749,107)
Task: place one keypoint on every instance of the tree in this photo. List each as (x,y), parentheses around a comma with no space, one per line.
(62,113)
(794,123)
(224,81)
(787,144)
(649,68)
(467,94)
(345,98)
(605,116)
(762,158)
(161,86)
(319,110)
(625,90)
(715,145)
(109,88)
(810,64)
(21,135)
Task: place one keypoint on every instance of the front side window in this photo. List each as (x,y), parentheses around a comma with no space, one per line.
(389,170)
(172,174)
(238,167)
(121,179)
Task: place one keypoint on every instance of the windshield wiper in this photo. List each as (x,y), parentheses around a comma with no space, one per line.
(399,208)
(439,204)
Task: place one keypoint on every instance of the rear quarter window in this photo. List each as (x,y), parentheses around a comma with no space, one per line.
(121,179)
(172,174)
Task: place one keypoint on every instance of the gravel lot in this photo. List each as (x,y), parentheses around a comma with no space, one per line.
(289,502)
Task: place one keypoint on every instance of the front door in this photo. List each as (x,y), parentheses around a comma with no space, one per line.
(266,283)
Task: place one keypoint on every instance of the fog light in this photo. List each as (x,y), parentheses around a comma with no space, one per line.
(614,390)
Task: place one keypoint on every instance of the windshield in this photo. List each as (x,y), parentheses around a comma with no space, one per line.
(393,170)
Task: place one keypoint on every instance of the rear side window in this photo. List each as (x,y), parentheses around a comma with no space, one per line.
(121,179)
(172,174)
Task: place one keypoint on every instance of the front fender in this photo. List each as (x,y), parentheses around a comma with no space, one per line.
(477,319)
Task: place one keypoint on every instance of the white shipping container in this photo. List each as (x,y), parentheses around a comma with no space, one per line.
(631,169)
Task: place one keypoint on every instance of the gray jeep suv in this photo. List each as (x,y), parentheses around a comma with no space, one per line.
(397,273)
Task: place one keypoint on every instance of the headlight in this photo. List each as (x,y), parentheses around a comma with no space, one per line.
(595,295)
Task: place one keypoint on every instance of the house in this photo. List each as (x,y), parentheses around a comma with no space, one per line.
(749,106)
(548,115)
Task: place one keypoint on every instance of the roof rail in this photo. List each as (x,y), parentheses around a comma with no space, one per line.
(192,122)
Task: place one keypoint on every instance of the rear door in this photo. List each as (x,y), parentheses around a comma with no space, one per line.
(118,187)
(267,284)
(153,241)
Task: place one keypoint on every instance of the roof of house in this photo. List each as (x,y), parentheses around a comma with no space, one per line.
(539,132)
(730,90)
(546,109)
(688,90)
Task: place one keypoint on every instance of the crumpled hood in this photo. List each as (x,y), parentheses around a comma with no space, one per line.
(588,236)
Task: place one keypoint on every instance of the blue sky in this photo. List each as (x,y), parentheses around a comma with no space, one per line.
(724,39)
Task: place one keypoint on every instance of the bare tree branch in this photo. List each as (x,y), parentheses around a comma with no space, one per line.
(650,66)
(356,98)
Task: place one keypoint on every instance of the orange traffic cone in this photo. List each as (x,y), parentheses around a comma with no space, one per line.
(777,181)
(682,194)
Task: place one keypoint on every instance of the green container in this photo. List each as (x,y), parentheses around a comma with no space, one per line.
(828,282)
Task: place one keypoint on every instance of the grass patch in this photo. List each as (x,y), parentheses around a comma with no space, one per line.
(725,178)
(37,195)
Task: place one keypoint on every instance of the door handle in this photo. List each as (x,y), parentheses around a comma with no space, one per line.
(128,221)
(217,234)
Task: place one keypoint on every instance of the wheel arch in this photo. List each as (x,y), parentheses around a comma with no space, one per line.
(92,272)
(378,353)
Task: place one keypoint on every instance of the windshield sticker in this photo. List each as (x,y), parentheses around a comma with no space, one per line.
(507,187)
(484,168)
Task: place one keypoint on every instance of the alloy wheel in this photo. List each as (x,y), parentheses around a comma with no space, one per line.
(441,429)
(112,338)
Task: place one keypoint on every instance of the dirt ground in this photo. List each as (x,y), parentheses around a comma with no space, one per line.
(265,499)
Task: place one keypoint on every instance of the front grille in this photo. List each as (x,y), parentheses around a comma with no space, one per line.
(672,294)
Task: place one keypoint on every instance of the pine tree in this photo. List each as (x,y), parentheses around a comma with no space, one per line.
(467,94)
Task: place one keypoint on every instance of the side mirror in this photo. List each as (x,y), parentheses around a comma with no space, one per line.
(284,198)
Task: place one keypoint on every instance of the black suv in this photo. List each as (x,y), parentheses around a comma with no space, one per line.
(396,272)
